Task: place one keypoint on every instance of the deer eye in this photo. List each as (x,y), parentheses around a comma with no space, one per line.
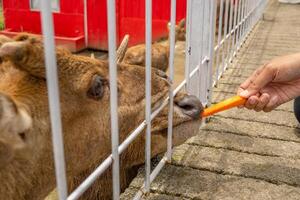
(96,90)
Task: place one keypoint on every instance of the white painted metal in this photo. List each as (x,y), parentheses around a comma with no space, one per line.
(111,22)
(219,46)
(148,92)
(53,96)
(210,53)
(171,77)
(85,20)
(201,14)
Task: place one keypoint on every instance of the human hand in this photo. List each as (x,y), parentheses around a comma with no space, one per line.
(272,84)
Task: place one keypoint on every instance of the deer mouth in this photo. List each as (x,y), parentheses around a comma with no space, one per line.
(186,110)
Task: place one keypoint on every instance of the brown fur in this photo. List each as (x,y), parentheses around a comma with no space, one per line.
(26,156)
(160,52)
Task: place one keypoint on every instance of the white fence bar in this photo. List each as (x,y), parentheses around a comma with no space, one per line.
(53,97)
(242,17)
(203,35)
(218,50)
(148,92)
(231,25)
(111,22)
(187,43)
(242,23)
(85,19)
(225,38)
(171,77)
(234,31)
(239,14)
(210,53)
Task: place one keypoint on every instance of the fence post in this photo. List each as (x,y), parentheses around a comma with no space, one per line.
(171,69)
(53,97)
(212,30)
(85,19)
(111,19)
(148,92)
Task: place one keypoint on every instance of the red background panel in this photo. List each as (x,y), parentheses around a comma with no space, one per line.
(69,21)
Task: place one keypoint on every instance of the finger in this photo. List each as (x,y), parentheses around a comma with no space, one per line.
(251,102)
(262,102)
(243,90)
(273,103)
(246,83)
(261,80)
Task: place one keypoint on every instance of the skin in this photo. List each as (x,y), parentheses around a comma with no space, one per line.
(26,155)
(273,84)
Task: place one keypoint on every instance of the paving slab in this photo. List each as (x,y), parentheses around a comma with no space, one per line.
(199,184)
(270,169)
(277,117)
(247,144)
(253,129)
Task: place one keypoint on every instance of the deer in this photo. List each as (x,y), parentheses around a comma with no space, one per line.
(26,155)
(160,52)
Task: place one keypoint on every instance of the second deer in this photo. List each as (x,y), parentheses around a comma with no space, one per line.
(160,51)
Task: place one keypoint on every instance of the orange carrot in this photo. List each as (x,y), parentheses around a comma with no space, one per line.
(224,105)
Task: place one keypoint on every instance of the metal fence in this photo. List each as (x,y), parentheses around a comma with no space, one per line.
(236,20)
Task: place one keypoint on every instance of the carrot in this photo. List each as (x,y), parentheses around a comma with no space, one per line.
(224,105)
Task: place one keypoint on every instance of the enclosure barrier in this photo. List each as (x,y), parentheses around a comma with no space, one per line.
(201,74)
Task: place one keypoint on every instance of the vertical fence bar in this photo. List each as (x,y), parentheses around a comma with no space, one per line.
(53,97)
(245,19)
(85,22)
(237,39)
(211,39)
(248,16)
(188,44)
(171,68)
(111,22)
(219,41)
(230,31)
(252,14)
(148,92)
(242,23)
(234,31)
(225,35)
(202,70)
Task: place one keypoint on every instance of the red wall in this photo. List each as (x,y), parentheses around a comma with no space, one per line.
(69,21)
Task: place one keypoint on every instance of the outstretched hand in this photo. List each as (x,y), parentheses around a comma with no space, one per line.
(272,84)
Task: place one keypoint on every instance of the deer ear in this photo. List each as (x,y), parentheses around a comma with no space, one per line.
(5,39)
(13,50)
(181,24)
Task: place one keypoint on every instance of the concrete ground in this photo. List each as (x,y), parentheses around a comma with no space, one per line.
(241,154)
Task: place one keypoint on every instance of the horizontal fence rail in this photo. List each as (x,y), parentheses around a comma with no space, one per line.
(207,57)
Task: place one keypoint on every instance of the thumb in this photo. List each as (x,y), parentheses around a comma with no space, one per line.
(259,80)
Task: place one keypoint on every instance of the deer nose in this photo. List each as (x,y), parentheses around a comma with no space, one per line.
(191,106)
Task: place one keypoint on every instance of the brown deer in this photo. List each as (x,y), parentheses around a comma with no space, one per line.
(26,155)
(4,39)
(160,52)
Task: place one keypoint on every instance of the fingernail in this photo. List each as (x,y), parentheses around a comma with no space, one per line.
(244,93)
